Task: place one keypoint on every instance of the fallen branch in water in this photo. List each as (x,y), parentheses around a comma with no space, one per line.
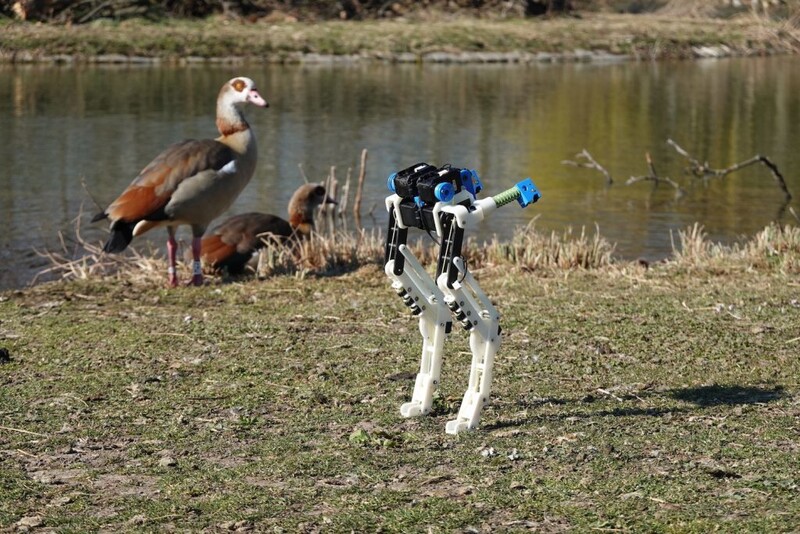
(702,170)
(590,163)
(654,177)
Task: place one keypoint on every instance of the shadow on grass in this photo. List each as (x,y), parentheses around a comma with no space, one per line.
(332,271)
(727,395)
(702,397)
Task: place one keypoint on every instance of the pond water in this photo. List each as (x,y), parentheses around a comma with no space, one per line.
(69,132)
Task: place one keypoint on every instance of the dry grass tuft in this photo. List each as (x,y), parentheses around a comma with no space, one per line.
(531,250)
(786,33)
(338,251)
(322,254)
(80,259)
(774,247)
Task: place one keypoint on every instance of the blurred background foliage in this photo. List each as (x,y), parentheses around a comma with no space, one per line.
(83,11)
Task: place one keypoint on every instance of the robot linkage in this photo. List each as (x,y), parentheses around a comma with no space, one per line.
(444,200)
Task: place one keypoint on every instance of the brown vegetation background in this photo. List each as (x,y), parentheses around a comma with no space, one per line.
(82,11)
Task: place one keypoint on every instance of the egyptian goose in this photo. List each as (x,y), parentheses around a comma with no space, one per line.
(231,244)
(191,182)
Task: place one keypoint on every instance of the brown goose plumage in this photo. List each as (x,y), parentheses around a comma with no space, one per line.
(231,244)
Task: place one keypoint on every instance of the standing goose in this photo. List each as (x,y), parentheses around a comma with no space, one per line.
(231,244)
(191,182)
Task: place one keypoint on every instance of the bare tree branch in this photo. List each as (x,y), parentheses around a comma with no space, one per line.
(590,163)
(703,170)
(654,177)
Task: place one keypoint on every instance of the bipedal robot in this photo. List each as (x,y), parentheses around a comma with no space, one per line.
(444,200)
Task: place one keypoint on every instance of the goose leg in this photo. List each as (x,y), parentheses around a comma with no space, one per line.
(197,270)
(172,252)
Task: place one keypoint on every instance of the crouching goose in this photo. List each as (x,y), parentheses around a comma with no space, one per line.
(191,182)
(231,244)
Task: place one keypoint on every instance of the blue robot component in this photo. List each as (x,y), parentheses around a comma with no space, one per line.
(524,192)
(471,182)
(444,192)
(528,193)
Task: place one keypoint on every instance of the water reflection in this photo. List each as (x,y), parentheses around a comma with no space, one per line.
(62,125)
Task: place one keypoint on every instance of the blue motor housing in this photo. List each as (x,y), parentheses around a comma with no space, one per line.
(471,181)
(528,193)
(444,192)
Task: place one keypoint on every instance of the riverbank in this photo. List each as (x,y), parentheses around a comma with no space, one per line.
(592,37)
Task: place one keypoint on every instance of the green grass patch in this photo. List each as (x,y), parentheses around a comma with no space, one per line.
(662,399)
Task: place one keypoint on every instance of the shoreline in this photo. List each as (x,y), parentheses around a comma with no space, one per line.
(506,58)
(590,38)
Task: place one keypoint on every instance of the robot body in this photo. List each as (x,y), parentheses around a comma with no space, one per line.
(444,200)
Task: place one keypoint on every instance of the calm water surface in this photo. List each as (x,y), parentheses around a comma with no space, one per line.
(61,126)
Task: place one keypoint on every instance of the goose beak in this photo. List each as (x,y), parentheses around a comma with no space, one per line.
(254,98)
(329,200)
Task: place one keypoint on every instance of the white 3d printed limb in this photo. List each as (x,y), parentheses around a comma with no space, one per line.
(483,321)
(426,300)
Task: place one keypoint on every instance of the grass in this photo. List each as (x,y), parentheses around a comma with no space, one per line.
(643,36)
(625,399)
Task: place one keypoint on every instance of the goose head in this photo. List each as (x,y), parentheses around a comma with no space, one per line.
(234,95)
(240,91)
(303,203)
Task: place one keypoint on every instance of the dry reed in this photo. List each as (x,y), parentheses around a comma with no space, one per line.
(531,250)
(78,259)
(773,248)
